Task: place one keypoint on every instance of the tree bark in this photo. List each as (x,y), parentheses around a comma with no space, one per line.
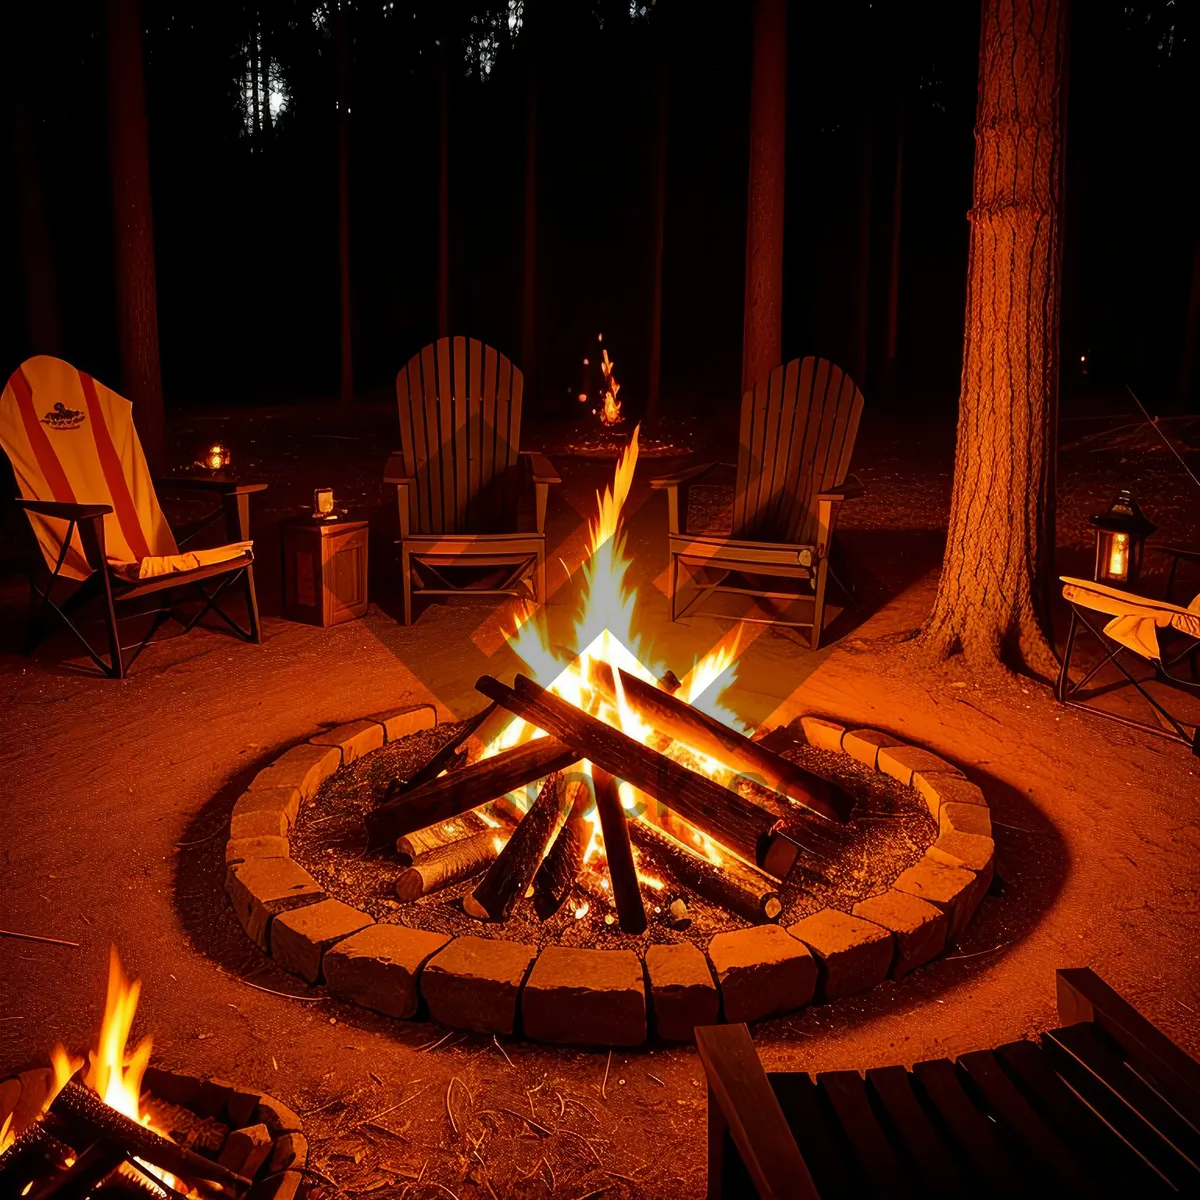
(762,344)
(529,265)
(662,143)
(133,226)
(992,599)
(341,33)
(443,265)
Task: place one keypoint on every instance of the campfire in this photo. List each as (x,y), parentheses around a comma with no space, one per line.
(97,1131)
(598,771)
(609,409)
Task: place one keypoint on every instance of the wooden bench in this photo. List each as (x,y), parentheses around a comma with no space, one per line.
(1107,1105)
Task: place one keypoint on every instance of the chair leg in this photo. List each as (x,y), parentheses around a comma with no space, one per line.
(252,607)
(818,625)
(406,583)
(1064,678)
(673,582)
(117,668)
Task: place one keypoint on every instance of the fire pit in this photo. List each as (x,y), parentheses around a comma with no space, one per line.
(124,1128)
(612,828)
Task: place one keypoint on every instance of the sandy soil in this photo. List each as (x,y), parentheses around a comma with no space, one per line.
(116,796)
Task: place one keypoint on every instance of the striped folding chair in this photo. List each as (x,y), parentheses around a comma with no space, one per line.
(1133,632)
(84,484)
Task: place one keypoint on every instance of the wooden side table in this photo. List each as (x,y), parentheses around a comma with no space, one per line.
(324,570)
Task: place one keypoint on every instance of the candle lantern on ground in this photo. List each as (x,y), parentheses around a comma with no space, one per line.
(1121,535)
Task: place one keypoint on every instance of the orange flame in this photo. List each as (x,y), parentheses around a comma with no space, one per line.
(610,414)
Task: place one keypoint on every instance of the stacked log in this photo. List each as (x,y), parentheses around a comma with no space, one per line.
(564,862)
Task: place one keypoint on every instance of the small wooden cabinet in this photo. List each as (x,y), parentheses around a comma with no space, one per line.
(324,570)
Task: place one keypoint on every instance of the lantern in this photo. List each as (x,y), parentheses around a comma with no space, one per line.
(216,457)
(323,504)
(1121,534)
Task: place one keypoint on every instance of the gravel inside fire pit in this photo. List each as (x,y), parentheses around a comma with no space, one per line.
(889,831)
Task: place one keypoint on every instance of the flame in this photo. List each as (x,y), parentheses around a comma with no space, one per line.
(610,414)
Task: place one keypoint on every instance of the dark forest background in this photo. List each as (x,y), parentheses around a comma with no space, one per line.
(246,218)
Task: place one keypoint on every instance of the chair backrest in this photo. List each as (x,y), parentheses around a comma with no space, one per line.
(460,433)
(71,439)
(797,436)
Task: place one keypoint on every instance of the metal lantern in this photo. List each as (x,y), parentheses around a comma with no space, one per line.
(217,457)
(1121,535)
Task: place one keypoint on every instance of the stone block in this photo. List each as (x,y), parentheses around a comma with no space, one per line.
(585,997)
(304,767)
(210,1100)
(300,938)
(864,744)
(941,787)
(852,953)
(276,1116)
(378,967)
(354,739)
(246,1150)
(918,928)
(400,722)
(682,992)
(277,1187)
(264,822)
(240,1103)
(175,1087)
(238,850)
(473,983)
(291,1150)
(284,801)
(823,734)
(761,972)
(948,888)
(259,888)
(900,762)
(965,818)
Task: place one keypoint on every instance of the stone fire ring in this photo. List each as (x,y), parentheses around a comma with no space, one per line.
(601,997)
(247,1131)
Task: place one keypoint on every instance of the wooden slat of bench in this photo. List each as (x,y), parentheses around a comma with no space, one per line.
(1088,1136)
(1092,1046)
(1135,1128)
(883,1172)
(737,1085)
(933,1161)
(1084,996)
(1036,1137)
(817,1139)
(973,1133)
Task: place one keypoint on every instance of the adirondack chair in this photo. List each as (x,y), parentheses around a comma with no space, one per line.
(86,489)
(797,435)
(457,477)
(1107,1105)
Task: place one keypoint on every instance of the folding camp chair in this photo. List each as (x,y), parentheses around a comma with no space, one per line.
(1139,630)
(84,484)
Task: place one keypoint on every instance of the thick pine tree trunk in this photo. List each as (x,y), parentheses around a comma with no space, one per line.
(133,226)
(762,344)
(992,598)
(341,32)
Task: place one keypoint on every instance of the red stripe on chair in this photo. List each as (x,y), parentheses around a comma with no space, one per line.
(47,460)
(114,475)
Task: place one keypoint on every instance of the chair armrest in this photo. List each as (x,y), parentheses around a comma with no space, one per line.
(687,475)
(405,490)
(219,487)
(65,510)
(849,489)
(541,469)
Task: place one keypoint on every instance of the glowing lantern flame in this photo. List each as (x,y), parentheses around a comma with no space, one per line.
(610,414)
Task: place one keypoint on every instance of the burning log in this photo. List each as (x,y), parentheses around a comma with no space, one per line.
(631,912)
(456,747)
(733,884)
(733,821)
(450,796)
(448,864)
(93,1166)
(80,1107)
(561,866)
(514,868)
(670,715)
(413,845)
(35,1153)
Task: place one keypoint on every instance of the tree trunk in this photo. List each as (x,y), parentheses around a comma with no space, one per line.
(443,266)
(341,32)
(662,130)
(133,226)
(35,239)
(529,281)
(762,344)
(992,599)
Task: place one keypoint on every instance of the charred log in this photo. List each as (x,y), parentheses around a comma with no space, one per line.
(445,759)
(562,865)
(627,895)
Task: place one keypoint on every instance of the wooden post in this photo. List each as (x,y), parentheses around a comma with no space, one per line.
(341,33)
(762,343)
(627,895)
(133,227)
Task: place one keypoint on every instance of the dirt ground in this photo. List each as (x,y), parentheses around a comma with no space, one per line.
(116,795)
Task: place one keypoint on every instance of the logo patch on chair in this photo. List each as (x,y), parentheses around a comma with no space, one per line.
(62,417)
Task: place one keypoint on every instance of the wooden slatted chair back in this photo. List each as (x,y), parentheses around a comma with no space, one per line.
(797,435)
(460,433)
